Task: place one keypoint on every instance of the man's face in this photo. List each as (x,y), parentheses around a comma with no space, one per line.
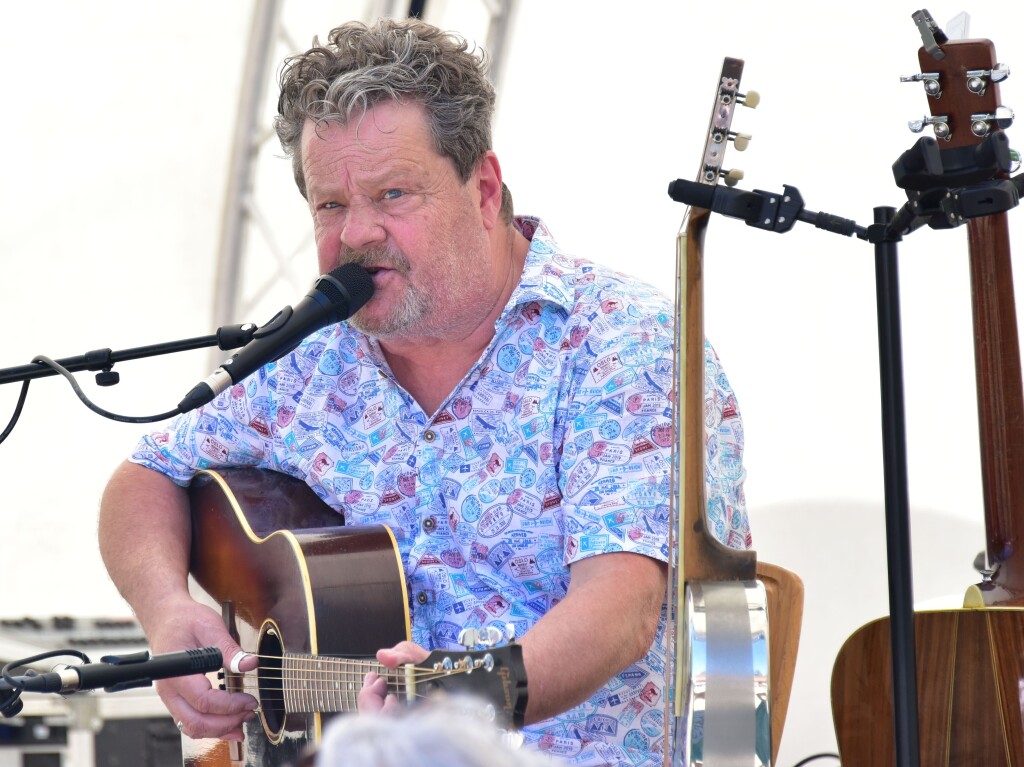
(382,197)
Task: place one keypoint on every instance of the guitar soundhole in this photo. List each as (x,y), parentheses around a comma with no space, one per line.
(269,676)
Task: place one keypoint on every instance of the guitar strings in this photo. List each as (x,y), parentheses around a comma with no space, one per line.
(390,675)
(419,672)
(305,675)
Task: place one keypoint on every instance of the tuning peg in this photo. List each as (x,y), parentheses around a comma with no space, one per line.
(732,177)
(740,140)
(749,99)
(976,78)
(1002,117)
(931,82)
(939,123)
(1014,161)
(478,638)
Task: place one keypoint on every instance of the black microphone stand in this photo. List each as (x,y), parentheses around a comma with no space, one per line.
(943,198)
(102,361)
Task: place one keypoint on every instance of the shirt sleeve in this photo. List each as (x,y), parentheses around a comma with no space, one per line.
(230,431)
(615,470)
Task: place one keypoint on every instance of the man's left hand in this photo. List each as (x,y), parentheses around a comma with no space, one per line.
(374,696)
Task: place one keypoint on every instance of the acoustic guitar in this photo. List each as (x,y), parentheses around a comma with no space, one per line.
(970,662)
(315,600)
(732,683)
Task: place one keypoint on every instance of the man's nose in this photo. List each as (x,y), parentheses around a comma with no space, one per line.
(364,225)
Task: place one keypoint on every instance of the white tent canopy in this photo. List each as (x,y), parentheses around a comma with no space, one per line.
(118,118)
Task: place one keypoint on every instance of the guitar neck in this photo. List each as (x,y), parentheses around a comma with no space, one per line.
(965,105)
(1000,401)
(704,556)
(319,684)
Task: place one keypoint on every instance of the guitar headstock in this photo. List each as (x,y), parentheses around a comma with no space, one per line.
(496,675)
(720,131)
(963,172)
(961,79)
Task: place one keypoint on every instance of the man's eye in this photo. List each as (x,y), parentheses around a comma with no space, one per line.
(330,205)
(393,194)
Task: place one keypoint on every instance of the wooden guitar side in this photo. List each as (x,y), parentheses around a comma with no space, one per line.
(784,593)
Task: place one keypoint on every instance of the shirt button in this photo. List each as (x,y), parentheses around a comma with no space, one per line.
(429,435)
(422,597)
(429,524)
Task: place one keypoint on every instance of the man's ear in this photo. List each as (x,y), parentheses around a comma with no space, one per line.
(488,179)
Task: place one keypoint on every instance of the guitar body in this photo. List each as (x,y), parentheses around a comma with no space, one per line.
(288,577)
(970,663)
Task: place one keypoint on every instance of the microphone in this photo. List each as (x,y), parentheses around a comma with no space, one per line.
(335,297)
(122,672)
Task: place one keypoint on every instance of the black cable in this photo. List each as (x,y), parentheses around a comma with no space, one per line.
(96,408)
(5,672)
(809,759)
(11,705)
(17,411)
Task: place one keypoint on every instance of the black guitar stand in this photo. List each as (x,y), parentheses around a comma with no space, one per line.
(944,189)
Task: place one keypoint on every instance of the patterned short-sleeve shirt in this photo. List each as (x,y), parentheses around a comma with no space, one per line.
(554,447)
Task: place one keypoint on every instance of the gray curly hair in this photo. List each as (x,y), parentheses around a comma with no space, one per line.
(395,60)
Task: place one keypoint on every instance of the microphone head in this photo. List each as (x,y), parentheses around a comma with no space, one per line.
(348,288)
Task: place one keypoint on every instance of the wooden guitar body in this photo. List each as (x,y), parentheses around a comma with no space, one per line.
(288,577)
(970,666)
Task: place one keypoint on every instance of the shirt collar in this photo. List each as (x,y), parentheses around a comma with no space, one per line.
(548,274)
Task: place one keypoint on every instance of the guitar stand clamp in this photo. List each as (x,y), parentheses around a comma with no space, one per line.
(772,211)
(945,188)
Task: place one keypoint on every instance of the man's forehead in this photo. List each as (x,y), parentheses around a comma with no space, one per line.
(387,118)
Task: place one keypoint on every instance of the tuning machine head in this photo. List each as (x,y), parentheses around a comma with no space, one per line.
(939,123)
(488,636)
(981,124)
(978,79)
(731,177)
(930,80)
(740,140)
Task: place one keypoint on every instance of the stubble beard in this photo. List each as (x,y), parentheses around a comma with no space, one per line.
(456,297)
(408,311)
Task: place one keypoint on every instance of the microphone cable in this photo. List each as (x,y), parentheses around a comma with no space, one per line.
(11,705)
(58,368)
(17,411)
(54,365)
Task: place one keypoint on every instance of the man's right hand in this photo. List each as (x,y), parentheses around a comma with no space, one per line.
(203,712)
(145,537)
